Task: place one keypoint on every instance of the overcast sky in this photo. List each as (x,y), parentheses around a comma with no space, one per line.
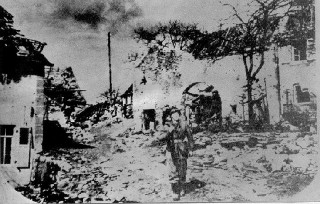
(75,41)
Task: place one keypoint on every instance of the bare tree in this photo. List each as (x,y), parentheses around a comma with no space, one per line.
(251,36)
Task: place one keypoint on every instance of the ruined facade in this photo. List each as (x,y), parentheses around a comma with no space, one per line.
(22,103)
(127,102)
(64,96)
(151,101)
(148,98)
(295,73)
(298,72)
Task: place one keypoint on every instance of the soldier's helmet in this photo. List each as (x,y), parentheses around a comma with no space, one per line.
(175,116)
(173,111)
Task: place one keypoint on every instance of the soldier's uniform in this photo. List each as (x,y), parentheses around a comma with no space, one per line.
(216,107)
(179,143)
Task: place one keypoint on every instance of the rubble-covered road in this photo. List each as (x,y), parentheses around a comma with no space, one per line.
(124,166)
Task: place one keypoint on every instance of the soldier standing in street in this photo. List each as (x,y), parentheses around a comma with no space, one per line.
(179,143)
(217,107)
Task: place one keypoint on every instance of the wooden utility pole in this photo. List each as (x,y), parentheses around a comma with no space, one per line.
(278,86)
(267,111)
(110,74)
(265,87)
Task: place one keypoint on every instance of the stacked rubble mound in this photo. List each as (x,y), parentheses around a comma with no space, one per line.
(126,166)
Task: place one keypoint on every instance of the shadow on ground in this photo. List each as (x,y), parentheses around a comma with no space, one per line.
(75,145)
(193,185)
(56,137)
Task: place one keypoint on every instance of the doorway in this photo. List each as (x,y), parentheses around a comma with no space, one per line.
(149,116)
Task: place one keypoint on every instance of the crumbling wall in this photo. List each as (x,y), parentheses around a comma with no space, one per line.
(44,173)
(19,107)
(39,114)
(43,187)
(63,94)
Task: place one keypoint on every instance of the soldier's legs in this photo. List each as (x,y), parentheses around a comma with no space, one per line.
(177,174)
(178,177)
(173,175)
(182,175)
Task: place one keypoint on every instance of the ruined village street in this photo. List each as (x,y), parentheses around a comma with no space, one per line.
(98,99)
(124,166)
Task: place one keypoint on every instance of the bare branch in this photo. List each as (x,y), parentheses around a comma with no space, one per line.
(260,65)
(235,12)
(244,58)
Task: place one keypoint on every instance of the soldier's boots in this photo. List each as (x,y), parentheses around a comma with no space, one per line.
(175,196)
(183,192)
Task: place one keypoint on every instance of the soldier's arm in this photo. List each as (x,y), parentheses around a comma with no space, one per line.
(190,139)
(167,132)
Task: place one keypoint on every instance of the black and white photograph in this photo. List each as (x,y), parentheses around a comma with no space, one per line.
(142,101)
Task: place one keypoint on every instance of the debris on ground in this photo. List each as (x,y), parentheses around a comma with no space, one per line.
(128,166)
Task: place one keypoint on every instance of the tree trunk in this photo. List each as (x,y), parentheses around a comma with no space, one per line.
(278,86)
(250,104)
(250,79)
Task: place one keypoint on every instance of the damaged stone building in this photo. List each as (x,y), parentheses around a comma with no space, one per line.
(295,73)
(298,70)
(22,67)
(148,102)
(127,102)
(21,102)
(288,83)
(63,99)
(64,96)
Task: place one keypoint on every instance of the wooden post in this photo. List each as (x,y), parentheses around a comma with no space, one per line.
(109,56)
(265,86)
(278,86)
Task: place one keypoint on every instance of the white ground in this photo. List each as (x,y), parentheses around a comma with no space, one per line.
(224,168)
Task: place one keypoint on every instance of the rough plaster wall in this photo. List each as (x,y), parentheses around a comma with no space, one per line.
(228,77)
(303,72)
(16,100)
(39,114)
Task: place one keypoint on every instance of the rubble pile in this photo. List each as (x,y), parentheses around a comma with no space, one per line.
(43,188)
(81,135)
(266,152)
(127,166)
(256,159)
(129,170)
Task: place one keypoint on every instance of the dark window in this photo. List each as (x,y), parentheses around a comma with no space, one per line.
(300,50)
(302,95)
(7,158)
(6,129)
(5,151)
(24,136)
(6,133)
(1,151)
(2,130)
